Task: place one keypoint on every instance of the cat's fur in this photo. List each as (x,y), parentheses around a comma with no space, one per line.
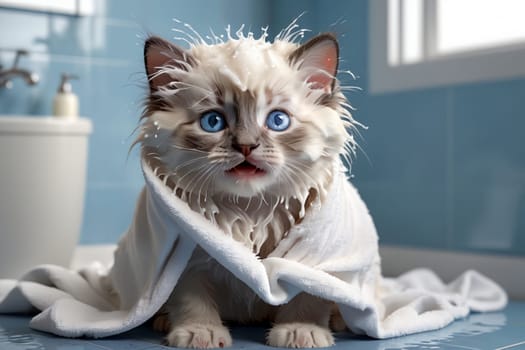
(244,79)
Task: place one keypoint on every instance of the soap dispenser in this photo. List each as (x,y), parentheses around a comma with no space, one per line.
(65,103)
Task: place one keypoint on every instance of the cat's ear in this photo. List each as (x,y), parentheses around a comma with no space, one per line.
(159,54)
(318,59)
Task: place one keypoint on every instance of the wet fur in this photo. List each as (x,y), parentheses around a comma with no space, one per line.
(244,78)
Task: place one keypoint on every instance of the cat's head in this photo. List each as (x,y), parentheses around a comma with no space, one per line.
(245,116)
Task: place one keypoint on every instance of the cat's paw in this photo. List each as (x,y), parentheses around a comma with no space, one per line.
(199,336)
(299,335)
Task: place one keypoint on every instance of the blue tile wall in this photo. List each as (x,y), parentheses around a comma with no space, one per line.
(439,168)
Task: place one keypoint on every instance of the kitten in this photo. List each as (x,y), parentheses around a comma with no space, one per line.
(247,132)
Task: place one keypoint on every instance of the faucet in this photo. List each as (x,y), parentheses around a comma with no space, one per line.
(6,74)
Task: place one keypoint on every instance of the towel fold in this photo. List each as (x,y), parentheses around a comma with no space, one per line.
(332,254)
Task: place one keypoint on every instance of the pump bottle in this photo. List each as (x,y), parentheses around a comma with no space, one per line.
(65,102)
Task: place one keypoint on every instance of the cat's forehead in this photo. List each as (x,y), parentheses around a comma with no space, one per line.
(243,49)
(245,61)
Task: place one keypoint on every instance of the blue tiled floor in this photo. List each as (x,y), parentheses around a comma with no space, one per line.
(500,330)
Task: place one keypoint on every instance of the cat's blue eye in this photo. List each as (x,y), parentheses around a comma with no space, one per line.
(278,120)
(212,121)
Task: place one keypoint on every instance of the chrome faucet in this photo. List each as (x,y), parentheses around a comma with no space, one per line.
(7,74)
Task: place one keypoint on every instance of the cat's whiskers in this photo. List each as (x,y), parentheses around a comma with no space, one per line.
(188,149)
(350,88)
(347,105)
(191,195)
(187,163)
(200,179)
(193,170)
(206,181)
(287,179)
(347,154)
(203,179)
(295,165)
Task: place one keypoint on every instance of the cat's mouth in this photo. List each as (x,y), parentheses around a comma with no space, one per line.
(246,170)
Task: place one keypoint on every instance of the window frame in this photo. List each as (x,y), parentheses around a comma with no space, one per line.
(498,63)
(64,7)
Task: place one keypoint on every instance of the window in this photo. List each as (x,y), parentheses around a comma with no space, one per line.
(424,43)
(66,7)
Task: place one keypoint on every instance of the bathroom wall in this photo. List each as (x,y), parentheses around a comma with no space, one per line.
(440,168)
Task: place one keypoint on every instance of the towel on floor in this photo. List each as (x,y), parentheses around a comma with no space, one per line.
(332,253)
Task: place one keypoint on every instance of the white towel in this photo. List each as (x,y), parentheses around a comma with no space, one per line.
(332,253)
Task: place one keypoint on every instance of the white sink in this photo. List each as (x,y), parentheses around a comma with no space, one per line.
(42,184)
(44,125)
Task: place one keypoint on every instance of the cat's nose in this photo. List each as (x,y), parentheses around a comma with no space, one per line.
(245,149)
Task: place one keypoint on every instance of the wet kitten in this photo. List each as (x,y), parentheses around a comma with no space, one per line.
(247,132)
